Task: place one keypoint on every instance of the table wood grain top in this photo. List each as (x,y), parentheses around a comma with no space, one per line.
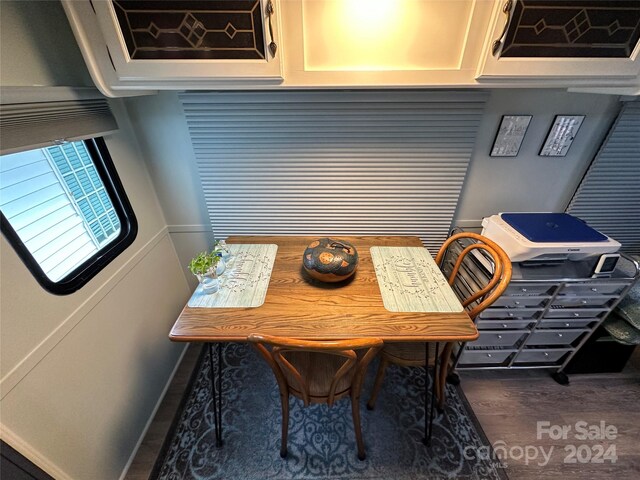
(298,306)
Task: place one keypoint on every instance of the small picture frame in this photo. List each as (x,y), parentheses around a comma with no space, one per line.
(561,134)
(510,135)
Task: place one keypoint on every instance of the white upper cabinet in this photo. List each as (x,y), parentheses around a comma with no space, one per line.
(383,42)
(561,42)
(182,44)
(134,47)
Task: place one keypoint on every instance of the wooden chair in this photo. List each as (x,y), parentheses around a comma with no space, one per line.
(475,297)
(318,372)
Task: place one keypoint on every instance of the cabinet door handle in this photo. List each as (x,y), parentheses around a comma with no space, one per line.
(273,48)
(506,9)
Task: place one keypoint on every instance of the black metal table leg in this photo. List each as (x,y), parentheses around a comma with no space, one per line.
(426,392)
(433,394)
(216,390)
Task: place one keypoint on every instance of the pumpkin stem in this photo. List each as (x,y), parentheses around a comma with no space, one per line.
(341,245)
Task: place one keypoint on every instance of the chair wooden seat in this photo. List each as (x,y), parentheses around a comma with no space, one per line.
(405,354)
(319,369)
(474,298)
(318,372)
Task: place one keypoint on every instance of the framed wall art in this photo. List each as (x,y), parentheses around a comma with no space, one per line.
(510,135)
(561,135)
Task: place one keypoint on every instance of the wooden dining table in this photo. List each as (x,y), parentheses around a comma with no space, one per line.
(299,306)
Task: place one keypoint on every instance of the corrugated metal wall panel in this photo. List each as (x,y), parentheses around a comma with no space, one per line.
(608,197)
(333,163)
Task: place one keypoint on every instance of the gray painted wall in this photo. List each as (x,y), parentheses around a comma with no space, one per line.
(37,46)
(161,129)
(83,373)
(529,183)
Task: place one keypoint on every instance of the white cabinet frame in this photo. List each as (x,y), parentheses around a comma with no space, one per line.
(591,71)
(99,36)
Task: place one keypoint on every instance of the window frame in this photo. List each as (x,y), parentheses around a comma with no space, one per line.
(81,275)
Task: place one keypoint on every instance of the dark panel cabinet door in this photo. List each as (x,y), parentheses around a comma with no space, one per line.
(191,30)
(594,42)
(191,40)
(573,29)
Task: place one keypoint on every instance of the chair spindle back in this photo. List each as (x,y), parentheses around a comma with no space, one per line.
(276,357)
(499,279)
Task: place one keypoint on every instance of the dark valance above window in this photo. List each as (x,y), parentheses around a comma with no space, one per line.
(40,117)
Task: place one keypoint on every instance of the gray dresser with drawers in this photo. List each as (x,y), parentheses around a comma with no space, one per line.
(545,315)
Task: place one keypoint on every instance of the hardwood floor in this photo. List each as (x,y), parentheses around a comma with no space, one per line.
(508,404)
(148,452)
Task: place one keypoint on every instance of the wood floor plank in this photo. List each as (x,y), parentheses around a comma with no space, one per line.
(509,404)
(152,443)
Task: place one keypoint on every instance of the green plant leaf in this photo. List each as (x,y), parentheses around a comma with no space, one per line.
(203,263)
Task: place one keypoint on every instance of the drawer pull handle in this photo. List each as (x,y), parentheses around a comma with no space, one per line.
(504,325)
(510,314)
(273,48)
(576,314)
(506,9)
(499,337)
(583,302)
(489,355)
(567,324)
(524,289)
(546,354)
(516,303)
(560,335)
(594,289)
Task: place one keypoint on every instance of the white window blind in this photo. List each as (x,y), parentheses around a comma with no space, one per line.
(38,117)
(608,197)
(333,163)
(57,205)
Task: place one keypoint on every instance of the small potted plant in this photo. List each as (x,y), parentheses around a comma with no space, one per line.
(203,266)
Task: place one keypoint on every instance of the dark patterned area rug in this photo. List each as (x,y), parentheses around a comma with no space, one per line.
(321,439)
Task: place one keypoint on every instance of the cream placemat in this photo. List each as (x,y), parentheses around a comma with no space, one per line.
(244,283)
(410,281)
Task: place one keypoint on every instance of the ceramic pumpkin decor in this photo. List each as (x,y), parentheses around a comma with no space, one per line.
(330,260)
